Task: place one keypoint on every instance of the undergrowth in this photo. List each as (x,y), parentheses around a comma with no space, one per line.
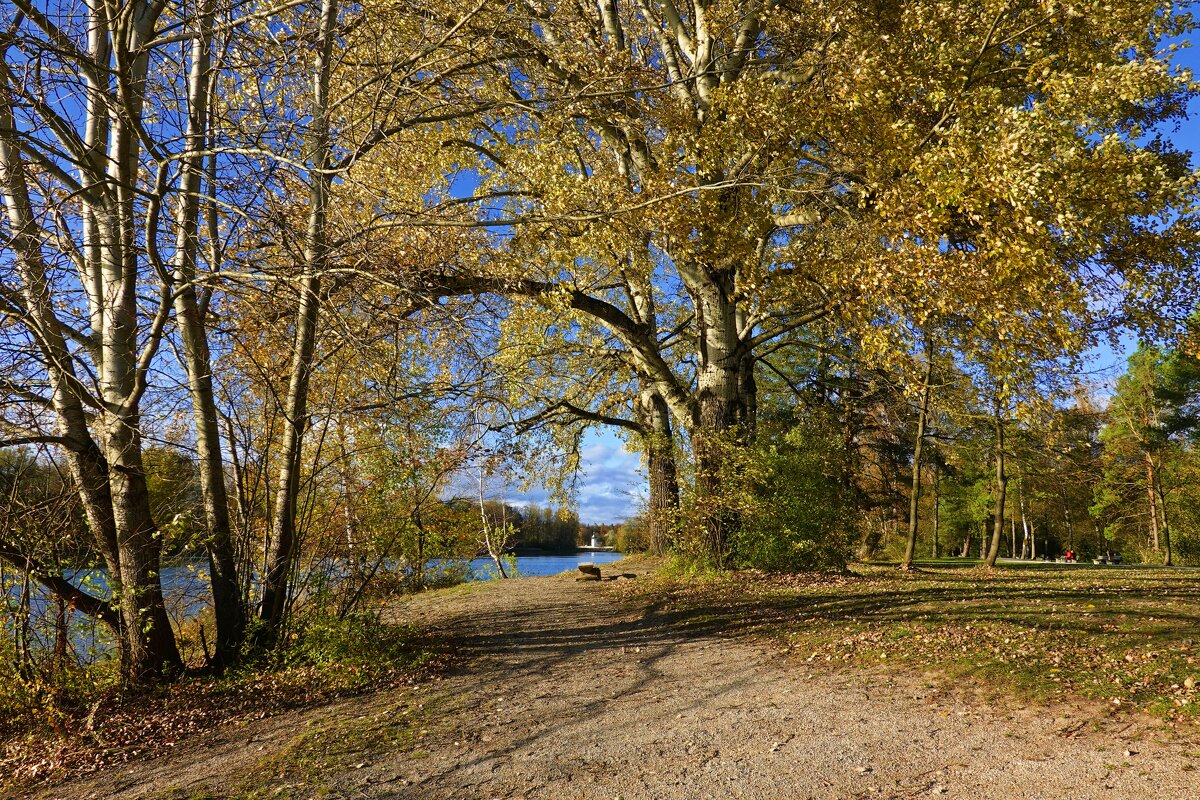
(324,658)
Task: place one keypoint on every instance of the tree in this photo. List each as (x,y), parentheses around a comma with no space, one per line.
(915,495)
(318,161)
(191,311)
(1150,419)
(880,163)
(564,374)
(364,116)
(83,185)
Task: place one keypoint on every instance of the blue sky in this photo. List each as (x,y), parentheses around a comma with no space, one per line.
(612,483)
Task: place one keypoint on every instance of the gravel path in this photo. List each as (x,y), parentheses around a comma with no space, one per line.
(564,692)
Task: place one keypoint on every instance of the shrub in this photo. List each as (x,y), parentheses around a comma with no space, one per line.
(801,515)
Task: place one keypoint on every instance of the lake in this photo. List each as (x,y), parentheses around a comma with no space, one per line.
(536,566)
(187,595)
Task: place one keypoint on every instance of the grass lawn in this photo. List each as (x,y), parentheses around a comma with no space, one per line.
(1127,636)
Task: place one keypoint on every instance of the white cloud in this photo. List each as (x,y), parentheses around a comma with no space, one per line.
(611,486)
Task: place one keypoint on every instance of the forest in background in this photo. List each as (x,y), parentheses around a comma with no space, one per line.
(308,288)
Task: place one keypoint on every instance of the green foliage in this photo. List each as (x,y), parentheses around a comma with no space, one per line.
(361,642)
(802,516)
(489,571)
(553,529)
(1149,450)
(325,653)
(965,504)
(45,696)
(633,535)
(173,480)
(439,574)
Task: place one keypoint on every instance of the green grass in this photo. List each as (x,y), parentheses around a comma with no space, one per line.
(304,766)
(1126,637)
(307,765)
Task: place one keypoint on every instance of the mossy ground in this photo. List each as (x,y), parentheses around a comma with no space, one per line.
(314,759)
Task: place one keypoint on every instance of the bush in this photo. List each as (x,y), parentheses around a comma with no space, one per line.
(328,653)
(48,697)
(362,641)
(801,517)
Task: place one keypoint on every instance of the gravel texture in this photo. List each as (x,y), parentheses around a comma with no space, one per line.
(564,691)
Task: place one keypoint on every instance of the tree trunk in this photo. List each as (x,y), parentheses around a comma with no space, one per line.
(494,544)
(1026,529)
(228,607)
(281,553)
(724,412)
(1151,478)
(914,498)
(1166,526)
(937,508)
(150,640)
(1001,490)
(715,439)
(659,445)
(152,652)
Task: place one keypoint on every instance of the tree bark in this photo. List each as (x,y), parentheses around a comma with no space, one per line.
(659,446)
(915,492)
(1166,526)
(1069,521)
(228,607)
(937,508)
(281,552)
(1026,529)
(1001,489)
(719,428)
(1151,497)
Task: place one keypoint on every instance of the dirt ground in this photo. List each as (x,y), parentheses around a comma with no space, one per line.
(563,691)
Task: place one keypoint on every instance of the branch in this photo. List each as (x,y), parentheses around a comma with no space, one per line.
(60,587)
(798,322)
(524,425)
(36,439)
(638,339)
